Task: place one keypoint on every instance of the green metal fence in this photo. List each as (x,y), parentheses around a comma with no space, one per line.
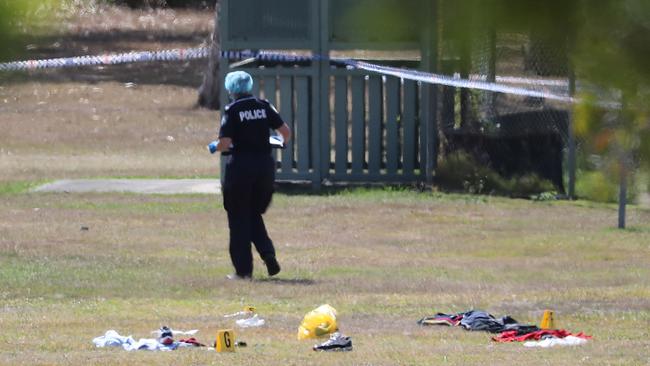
(349,126)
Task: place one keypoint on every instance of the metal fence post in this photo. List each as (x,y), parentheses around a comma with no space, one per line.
(622,196)
(315,99)
(430,92)
(571,158)
(324,127)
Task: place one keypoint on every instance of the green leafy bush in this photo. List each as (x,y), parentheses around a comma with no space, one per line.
(16,18)
(460,172)
(596,186)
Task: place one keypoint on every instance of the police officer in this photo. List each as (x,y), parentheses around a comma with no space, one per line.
(250,173)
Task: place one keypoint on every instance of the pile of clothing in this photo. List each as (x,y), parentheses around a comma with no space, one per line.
(508,328)
(164,341)
(544,338)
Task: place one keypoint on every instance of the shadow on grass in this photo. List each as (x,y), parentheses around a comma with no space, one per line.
(630,229)
(183,74)
(306,189)
(289,281)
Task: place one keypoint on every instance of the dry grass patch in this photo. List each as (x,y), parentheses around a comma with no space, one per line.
(383,259)
(71,130)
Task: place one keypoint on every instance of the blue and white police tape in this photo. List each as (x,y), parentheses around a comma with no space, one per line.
(536,88)
(145,56)
(108,59)
(455,81)
(431,78)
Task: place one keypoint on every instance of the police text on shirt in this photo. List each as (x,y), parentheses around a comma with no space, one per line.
(252,114)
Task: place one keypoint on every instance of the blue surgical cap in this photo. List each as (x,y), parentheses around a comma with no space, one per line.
(239,82)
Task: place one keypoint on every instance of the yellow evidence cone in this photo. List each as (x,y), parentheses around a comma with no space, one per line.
(548,321)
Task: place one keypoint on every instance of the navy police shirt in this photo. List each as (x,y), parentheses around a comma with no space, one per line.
(247,121)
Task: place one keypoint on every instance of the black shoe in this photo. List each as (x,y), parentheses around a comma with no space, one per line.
(337,342)
(272,266)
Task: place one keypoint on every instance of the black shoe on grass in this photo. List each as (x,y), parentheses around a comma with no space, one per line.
(337,342)
(272,266)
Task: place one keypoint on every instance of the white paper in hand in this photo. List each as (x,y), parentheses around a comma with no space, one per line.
(276,141)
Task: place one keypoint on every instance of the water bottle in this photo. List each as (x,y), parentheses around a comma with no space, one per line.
(212,147)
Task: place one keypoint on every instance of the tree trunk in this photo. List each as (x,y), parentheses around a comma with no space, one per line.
(211,87)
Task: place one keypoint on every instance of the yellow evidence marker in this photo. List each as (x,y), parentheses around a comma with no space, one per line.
(225,340)
(547,320)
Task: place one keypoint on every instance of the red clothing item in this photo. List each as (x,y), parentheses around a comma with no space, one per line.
(192,341)
(511,335)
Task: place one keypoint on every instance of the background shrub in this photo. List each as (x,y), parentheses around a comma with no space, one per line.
(460,172)
(596,186)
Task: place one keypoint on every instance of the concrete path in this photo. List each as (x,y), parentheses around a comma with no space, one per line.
(146,186)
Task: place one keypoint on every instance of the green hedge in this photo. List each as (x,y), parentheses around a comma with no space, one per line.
(460,172)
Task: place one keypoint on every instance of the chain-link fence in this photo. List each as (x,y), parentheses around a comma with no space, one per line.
(507,142)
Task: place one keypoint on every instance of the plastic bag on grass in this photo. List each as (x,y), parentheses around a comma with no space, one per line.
(318,322)
(253,321)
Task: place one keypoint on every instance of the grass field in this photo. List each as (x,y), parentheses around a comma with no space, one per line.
(384,258)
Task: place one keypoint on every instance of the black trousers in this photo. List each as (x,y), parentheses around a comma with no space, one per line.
(247,193)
